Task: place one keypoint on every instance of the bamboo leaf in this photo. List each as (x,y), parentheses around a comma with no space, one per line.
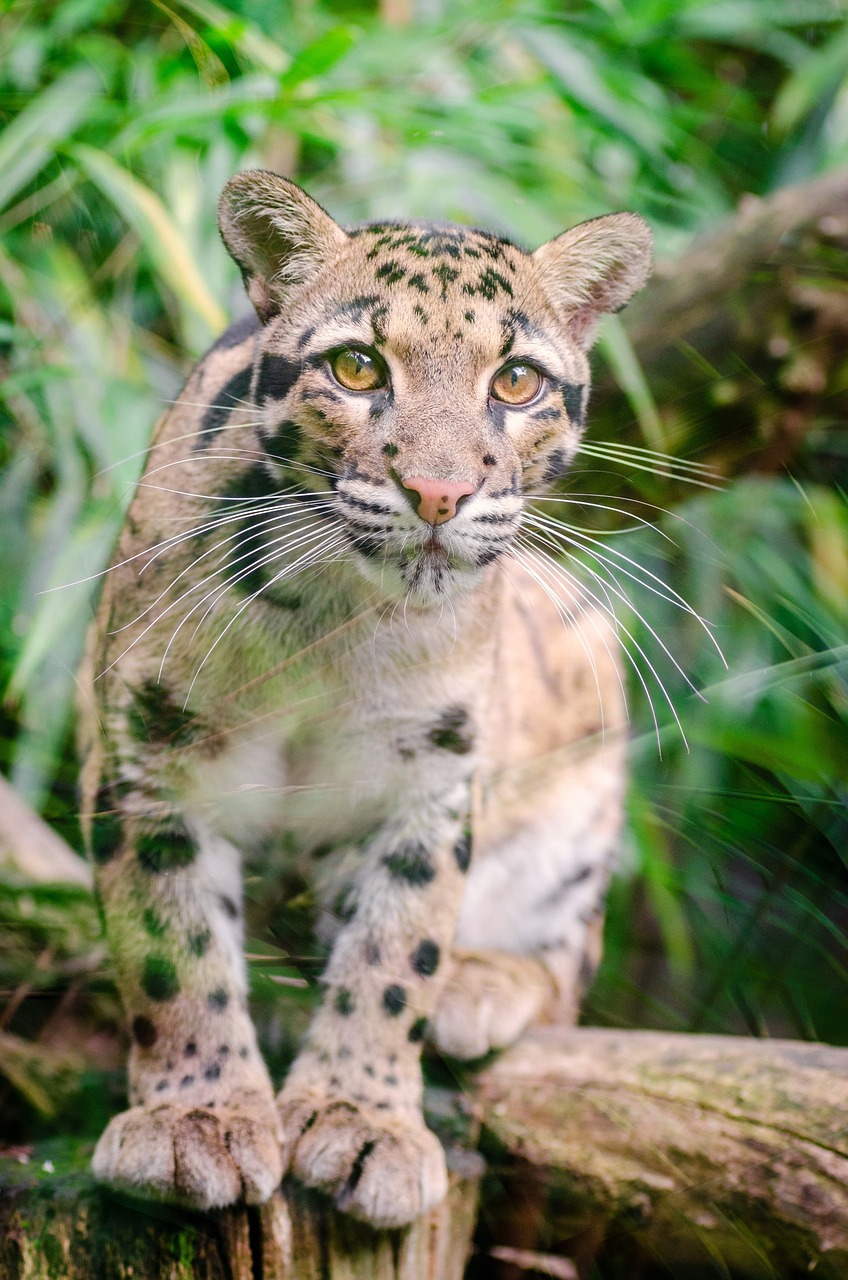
(161,238)
(31,139)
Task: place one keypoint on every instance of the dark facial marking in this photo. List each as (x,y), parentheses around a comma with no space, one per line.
(421,313)
(489,459)
(556,465)
(284,440)
(425,958)
(275,377)
(186,1081)
(372,952)
(159,978)
(191,1049)
(394,1000)
(411,862)
(390,450)
(418,282)
(144,1033)
(218,999)
(228,398)
(572,398)
(447,733)
(469,316)
(213,1071)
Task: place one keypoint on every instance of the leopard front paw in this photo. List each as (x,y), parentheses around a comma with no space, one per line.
(489,998)
(383,1169)
(194,1156)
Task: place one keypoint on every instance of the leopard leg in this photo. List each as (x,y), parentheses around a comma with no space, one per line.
(202,1129)
(528,937)
(351,1105)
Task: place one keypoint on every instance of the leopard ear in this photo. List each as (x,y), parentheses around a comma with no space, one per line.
(595,267)
(278,235)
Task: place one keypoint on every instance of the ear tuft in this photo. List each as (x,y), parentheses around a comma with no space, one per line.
(594,268)
(278,235)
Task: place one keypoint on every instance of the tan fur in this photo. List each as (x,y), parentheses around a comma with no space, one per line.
(376,696)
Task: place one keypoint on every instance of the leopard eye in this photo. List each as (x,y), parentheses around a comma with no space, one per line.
(357,370)
(516,384)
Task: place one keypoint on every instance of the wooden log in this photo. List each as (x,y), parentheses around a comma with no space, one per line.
(687,1149)
(719,1151)
(68,1229)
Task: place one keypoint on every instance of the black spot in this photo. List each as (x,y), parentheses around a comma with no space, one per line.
(390,450)
(462,851)
(369,1070)
(144,1033)
(446,275)
(159,978)
(418,282)
(421,313)
(191,1049)
(390,1080)
(244,1052)
(572,398)
(469,315)
(228,906)
(276,377)
(224,1050)
(394,1000)
(411,862)
(155,717)
(161,1085)
(390,271)
(489,459)
(107,831)
(417,1031)
(344,1053)
(344,1002)
(489,284)
(450,732)
(213,1071)
(198,943)
(167,849)
(186,1081)
(152,924)
(378,318)
(224,401)
(425,958)
(218,999)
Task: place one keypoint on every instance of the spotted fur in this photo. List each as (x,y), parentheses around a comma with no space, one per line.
(289,656)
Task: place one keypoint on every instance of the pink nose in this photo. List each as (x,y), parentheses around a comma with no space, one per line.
(438,498)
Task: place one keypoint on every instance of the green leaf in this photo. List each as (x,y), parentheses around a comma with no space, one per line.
(31,139)
(158,233)
(822,72)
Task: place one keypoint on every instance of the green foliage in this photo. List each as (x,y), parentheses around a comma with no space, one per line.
(121,123)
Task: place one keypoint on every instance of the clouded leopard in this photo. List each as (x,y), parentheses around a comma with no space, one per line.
(325,635)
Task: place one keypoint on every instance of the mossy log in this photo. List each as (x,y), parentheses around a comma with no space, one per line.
(683,1148)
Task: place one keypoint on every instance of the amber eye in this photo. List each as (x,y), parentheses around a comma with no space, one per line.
(516,384)
(356,370)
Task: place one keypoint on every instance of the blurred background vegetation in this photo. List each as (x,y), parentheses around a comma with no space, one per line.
(122,119)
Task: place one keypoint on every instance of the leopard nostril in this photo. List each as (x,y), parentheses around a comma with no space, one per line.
(438,499)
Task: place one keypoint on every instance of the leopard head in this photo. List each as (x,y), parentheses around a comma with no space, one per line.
(430,376)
